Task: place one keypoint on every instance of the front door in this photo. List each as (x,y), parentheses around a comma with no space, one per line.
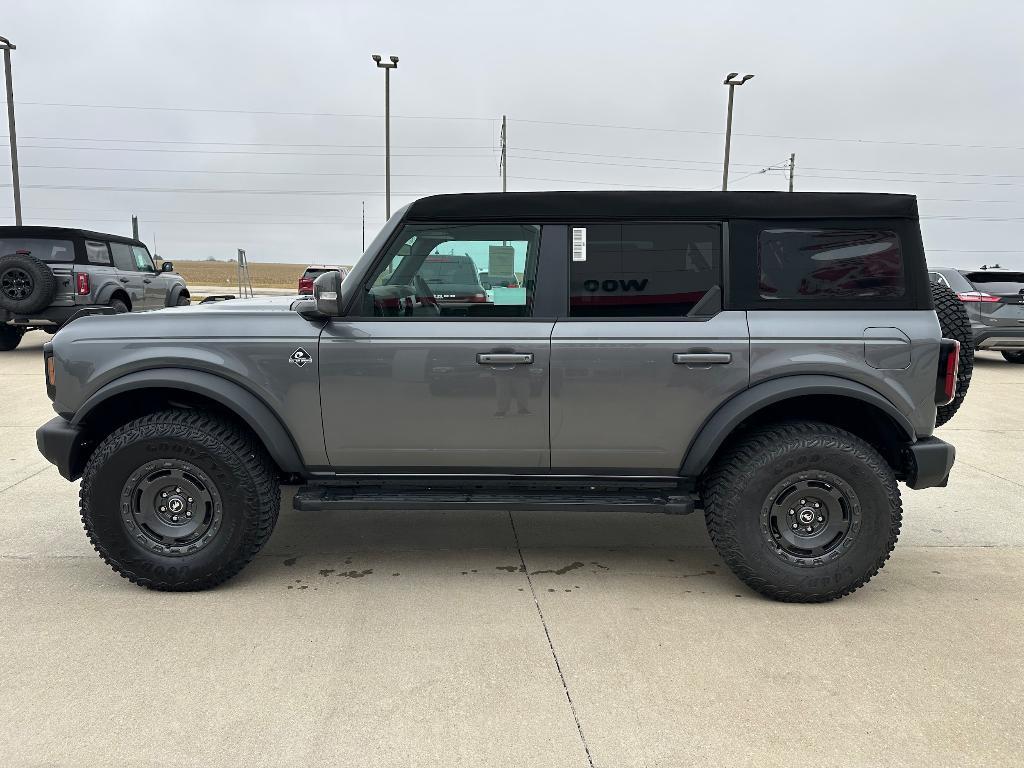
(420,377)
(128,275)
(155,283)
(646,353)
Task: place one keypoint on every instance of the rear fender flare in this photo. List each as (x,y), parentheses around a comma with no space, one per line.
(717,429)
(245,405)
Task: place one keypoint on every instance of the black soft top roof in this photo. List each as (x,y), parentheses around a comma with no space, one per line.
(575,206)
(64,232)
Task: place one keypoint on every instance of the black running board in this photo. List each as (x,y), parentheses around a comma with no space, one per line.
(317,498)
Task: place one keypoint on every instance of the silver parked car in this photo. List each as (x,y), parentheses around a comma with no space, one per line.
(994,300)
(774,360)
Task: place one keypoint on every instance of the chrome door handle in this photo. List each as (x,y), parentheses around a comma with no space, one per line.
(702,358)
(504,358)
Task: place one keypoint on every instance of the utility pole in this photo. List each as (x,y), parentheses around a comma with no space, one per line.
(8,46)
(364,226)
(387,67)
(504,155)
(792,169)
(729,81)
(135,226)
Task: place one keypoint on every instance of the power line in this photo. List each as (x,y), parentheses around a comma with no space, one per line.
(247,111)
(257,173)
(239,143)
(239,152)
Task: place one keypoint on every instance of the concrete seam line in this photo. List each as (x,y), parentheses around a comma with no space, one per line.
(19,482)
(551,645)
(990,472)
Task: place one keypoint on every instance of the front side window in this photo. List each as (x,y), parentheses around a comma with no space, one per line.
(642,270)
(143,261)
(42,249)
(829,264)
(435,271)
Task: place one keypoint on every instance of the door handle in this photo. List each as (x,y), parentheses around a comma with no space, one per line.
(504,358)
(146,280)
(123,279)
(702,358)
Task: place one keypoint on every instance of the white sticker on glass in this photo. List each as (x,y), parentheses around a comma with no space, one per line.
(579,243)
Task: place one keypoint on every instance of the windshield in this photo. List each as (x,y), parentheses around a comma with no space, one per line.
(998,282)
(44,250)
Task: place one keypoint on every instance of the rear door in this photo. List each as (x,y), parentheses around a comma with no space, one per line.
(1008,288)
(126,272)
(645,353)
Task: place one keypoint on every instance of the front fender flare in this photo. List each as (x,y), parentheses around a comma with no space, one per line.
(721,424)
(249,408)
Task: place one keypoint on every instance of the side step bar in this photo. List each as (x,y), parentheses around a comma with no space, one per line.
(316,498)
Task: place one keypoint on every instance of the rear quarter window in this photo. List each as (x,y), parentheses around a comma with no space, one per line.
(825,264)
(50,251)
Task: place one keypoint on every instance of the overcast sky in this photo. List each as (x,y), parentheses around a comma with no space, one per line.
(917,97)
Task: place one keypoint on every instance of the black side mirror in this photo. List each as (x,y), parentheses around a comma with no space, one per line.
(167,266)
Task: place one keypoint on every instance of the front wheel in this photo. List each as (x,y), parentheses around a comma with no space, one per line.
(802,512)
(179,500)
(1014,357)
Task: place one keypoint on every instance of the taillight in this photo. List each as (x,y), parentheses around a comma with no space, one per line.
(305,285)
(977,297)
(949,365)
(82,283)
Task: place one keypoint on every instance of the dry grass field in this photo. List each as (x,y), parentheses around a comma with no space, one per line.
(225,273)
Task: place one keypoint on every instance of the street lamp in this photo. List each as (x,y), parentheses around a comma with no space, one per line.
(7,47)
(732,82)
(387,66)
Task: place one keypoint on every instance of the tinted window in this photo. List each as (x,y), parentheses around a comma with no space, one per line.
(434,271)
(97,253)
(642,270)
(44,250)
(124,259)
(829,263)
(997,282)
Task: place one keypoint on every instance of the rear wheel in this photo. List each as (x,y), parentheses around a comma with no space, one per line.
(955,324)
(1014,357)
(10,337)
(802,512)
(179,500)
(118,306)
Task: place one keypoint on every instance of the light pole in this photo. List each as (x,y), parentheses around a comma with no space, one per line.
(732,83)
(8,46)
(387,66)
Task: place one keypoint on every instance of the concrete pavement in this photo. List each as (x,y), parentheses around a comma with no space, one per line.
(471,638)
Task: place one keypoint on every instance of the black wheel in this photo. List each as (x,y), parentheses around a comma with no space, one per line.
(802,512)
(26,283)
(119,306)
(179,500)
(1014,357)
(183,301)
(10,337)
(955,324)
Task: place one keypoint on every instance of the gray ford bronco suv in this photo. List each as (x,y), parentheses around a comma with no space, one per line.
(48,274)
(772,359)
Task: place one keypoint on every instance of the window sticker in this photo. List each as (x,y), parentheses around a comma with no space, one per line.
(579,243)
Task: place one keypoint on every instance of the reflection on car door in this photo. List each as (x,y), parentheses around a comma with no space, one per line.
(127,275)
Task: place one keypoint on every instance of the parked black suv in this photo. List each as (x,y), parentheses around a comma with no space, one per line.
(47,274)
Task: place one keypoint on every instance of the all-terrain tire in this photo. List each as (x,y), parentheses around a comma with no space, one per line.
(119,306)
(220,456)
(1014,357)
(10,337)
(183,301)
(955,324)
(26,283)
(743,491)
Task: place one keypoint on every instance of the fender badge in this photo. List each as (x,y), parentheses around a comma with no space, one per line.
(300,357)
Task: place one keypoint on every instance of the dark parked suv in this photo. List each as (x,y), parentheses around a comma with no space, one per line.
(994,300)
(47,274)
(773,360)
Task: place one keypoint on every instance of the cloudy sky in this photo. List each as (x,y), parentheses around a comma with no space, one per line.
(260,124)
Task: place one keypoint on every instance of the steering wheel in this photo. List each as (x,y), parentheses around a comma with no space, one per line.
(425,295)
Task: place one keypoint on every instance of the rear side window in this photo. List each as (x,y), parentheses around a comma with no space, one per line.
(45,250)
(642,270)
(124,259)
(96,253)
(829,264)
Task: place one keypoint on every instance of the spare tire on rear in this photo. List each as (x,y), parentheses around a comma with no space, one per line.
(955,324)
(26,284)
